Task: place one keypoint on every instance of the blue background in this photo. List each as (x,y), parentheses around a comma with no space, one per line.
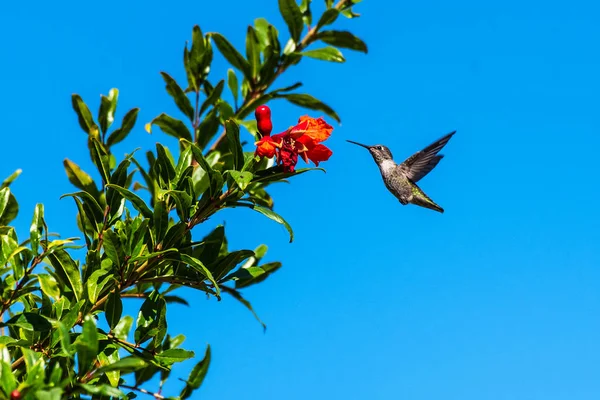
(495,299)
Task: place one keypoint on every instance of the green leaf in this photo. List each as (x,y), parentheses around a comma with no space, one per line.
(96,283)
(197,376)
(37,228)
(213,96)
(197,61)
(6,183)
(49,286)
(160,221)
(108,106)
(342,39)
(9,209)
(118,135)
(233,84)
(80,179)
(113,309)
(253,51)
(49,394)
(86,121)
(68,270)
(136,200)
(151,321)
(232,131)
(326,54)
(269,214)
(232,55)
(181,100)
(245,277)
(102,389)
(306,13)
(125,365)
(29,321)
(87,345)
(198,266)
(236,295)
(174,355)
(310,102)
(328,18)
(122,329)
(293,17)
(229,262)
(170,126)
(242,179)
(199,157)
(100,158)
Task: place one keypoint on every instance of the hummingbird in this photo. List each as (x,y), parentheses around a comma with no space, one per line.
(401,179)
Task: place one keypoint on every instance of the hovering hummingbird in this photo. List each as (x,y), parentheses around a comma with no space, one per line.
(401,179)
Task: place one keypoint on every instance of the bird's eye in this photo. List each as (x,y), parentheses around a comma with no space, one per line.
(380,147)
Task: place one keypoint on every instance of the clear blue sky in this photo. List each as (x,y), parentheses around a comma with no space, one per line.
(498,298)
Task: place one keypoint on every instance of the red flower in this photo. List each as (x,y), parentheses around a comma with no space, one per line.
(303,139)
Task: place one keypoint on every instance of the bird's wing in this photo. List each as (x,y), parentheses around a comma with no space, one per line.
(422,162)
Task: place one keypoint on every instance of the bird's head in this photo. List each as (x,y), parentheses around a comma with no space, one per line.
(379,152)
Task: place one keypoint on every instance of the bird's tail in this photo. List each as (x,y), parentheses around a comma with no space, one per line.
(421,199)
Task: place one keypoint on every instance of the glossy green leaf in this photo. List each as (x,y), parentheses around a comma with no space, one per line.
(293,17)
(269,214)
(233,84)
(102,389)
(9,209)
(197,61)
(198,266)
(160,221)
(68,270)
(233,138)
(6,183)
(125,365)
(252,51)
(29,321)
(170,126)
(242,179)
(231,54)
(108,106)
(196,377)
(86,121)
(237,295)
(49,286)
(118,135)
(343,39)
(113,309)
(224,265)
(181,100)
(112,247)
(213,96)
(327,18)
(199,157)
(326,54)
(37,228)
(310,102)
(174,355)
(123,327)
(100,159)
(80,179)
(306,12)
(136,200)
(245,277)
(96,283)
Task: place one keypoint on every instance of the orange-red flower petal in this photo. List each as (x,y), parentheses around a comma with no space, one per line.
(266,146)
(319,153)
(315,128)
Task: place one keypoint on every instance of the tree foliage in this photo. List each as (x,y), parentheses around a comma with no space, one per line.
(65,334)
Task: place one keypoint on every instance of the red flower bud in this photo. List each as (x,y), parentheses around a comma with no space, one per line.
(265,126)
(263,120)
(262,112)
(15,395)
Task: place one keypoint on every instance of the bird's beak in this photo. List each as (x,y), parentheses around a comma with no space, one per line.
(358,144)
